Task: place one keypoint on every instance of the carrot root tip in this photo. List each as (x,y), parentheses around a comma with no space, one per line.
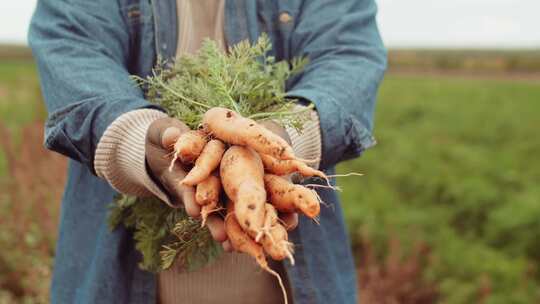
(288,246)
(345,175)
(205,213)
(335,188)
(280,281)
(175,157)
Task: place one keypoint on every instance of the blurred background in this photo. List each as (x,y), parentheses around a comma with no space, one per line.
(449,208)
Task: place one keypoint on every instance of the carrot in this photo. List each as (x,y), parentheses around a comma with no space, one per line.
(207,195)
(242,242)
(242,173)
(288,197)
(208,190)
(239,239)
(276,244)
(270,220)
(276,240)
(208,209)
(189,146)
(207,161)
(234,129)
(270,216)
(285,167)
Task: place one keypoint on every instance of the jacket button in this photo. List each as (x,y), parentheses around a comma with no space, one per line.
(285,17)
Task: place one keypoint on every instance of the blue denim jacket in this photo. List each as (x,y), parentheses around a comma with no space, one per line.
(86,52)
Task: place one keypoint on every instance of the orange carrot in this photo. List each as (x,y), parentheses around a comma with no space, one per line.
(277,245)
(285,167)
(276,240)
(208,209)
(242,172)
(234,129)
(288,197)
(189,146)
(242,242)
(208,190)
(270,216)
(207,195)
(207,161)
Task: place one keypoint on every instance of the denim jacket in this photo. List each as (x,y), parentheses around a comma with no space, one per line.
(86,52)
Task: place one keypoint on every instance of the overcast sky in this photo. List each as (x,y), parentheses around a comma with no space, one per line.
(403,23)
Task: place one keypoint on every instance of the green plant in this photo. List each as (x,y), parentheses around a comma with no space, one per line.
(245,80)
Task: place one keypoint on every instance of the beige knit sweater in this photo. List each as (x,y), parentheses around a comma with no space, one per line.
(120,159)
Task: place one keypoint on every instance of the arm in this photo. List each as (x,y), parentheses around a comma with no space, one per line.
(347,63)
(81,48)
(97,115)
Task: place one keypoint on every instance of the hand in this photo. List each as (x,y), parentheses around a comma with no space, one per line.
(160,137)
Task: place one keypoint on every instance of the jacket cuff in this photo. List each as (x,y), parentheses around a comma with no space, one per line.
(120,156)
(343,136)
(307,143)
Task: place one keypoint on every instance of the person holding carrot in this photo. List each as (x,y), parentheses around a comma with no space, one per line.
(118,142)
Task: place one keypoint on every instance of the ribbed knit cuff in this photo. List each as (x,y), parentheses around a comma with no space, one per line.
(307,143)
(120,154)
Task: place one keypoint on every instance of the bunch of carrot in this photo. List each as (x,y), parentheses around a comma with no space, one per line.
(250,164)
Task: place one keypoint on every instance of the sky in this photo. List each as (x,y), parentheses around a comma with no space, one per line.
(403,23)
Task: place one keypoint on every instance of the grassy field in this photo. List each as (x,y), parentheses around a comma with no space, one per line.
(448,210)
(455,169)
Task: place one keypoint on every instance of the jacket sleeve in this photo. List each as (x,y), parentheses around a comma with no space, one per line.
(347,63)
(81,48)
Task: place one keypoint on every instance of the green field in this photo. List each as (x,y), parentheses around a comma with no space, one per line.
(448,210)
(456,167)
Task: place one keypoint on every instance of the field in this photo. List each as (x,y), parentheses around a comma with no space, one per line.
(455,172)
(483,62)
(448,210)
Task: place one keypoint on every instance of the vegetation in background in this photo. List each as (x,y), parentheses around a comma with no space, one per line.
(448,211)
(456,168)
(29,209)
(29,193)
(398,276)
(500,62)
(20,99)
(14,52)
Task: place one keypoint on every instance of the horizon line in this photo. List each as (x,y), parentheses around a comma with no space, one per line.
(389,46)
